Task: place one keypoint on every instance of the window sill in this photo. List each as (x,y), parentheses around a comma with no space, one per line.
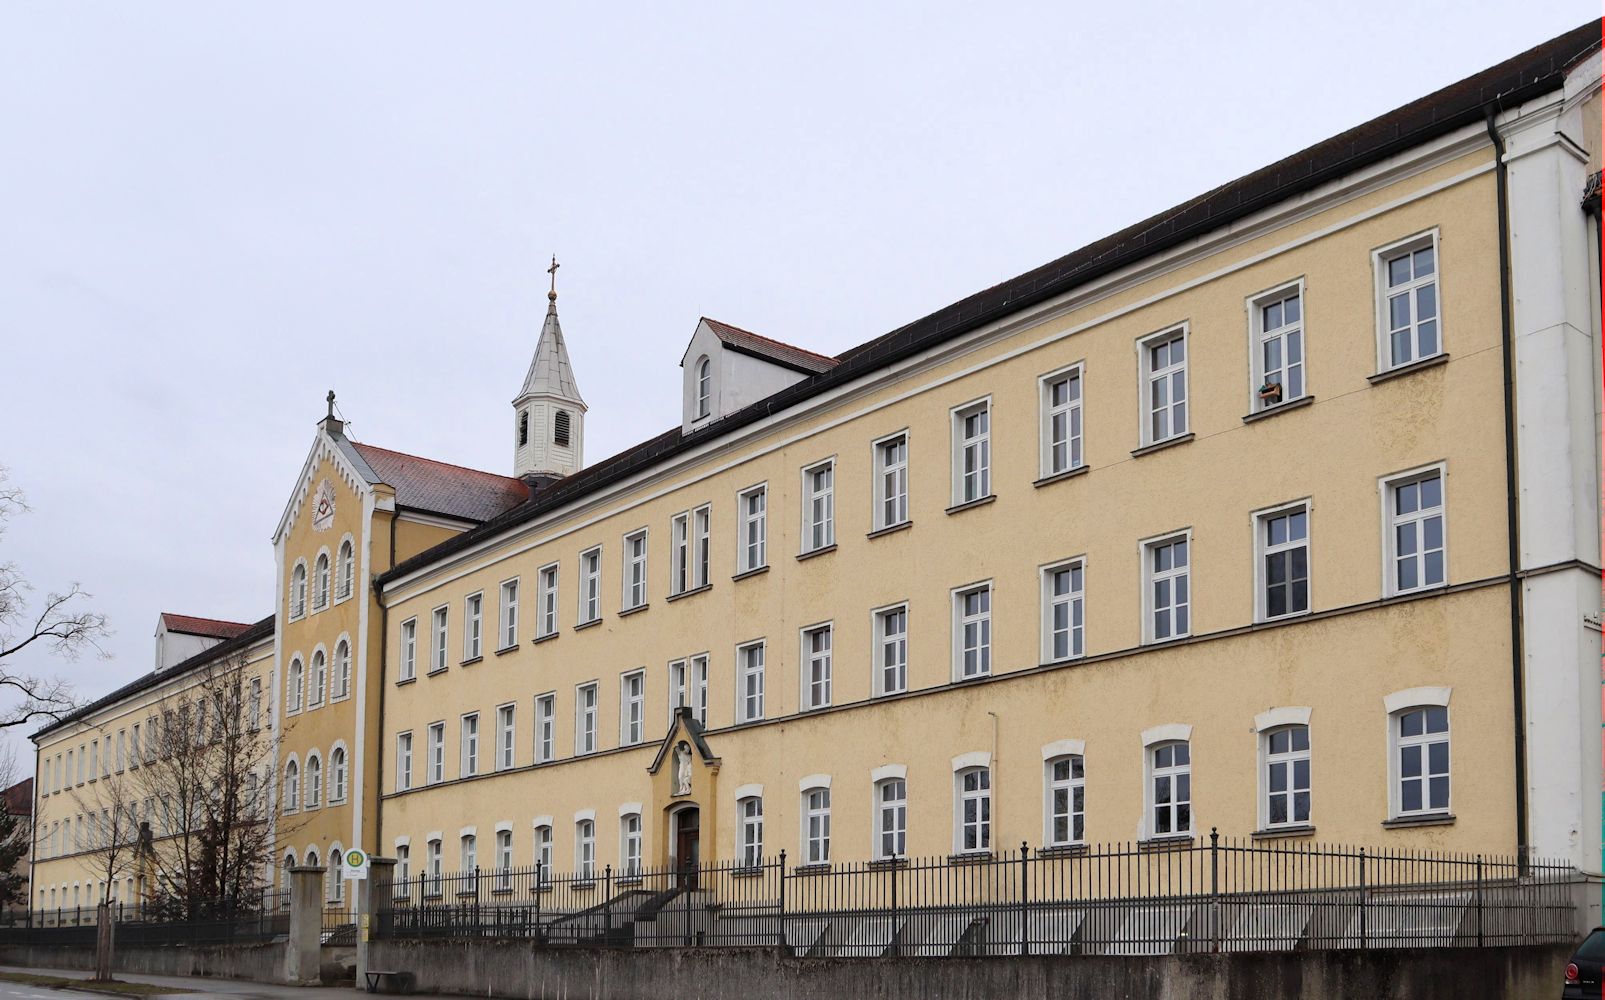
(404,680)
(1169,842)
(1062,851)
(583,886)
(883,864)
(818,868)
(1272,410)
(470,661)
(627,612)
(1409,369)
(1283,832)
(822,550)
(466,894)
(968,504)
(432,895)
(1429,819)
(582,626)
(749,871)
(1058,477)
(891,529)
(694,591)
(1149,449)
(548,637)
(427,673)
(626,881)
(748,573)
(506,649)
(501,891)
(971,858)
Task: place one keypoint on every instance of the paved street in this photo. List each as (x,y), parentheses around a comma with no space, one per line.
(232,989)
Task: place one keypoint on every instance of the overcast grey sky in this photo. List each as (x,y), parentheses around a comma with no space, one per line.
(212,213)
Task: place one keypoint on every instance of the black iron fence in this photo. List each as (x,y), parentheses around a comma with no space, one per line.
(1204,894)
(258,918)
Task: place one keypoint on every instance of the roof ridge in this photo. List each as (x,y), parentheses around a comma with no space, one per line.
(436,461)
(772,340)
(206,618)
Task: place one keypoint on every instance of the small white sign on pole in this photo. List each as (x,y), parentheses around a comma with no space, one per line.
(356,865)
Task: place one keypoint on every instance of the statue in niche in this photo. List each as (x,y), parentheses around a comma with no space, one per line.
(682,768)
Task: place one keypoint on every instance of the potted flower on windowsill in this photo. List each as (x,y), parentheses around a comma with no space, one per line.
(1270,393)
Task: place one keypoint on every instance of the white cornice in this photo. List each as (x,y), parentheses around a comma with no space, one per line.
(323,446)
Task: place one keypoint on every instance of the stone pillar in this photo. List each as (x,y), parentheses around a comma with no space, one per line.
(375,901)
(304,952)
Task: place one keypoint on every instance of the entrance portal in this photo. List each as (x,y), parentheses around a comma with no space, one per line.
(687,846)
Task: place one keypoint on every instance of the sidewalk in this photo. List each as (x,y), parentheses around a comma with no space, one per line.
(204,987)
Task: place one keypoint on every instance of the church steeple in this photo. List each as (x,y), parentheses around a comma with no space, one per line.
(548,414)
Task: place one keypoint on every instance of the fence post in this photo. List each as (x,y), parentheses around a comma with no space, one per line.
(781,933)
(1479,900)
(607,903)
(1025,895)
(894,946)
(1363,941)
(540,929)
(1214,889)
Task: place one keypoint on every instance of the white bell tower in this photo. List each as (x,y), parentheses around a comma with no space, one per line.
(548,414)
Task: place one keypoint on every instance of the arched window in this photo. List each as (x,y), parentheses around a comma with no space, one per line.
(346,570)
(433,861)
(320,582)
(337,882)
(342,669)
(292,687)
(320,678)
(314,781)
(704,387)
(312,858)
(338,773)
(750,811)
(630,843)
(523,428)
(1287,776)
(585,847)
(1066,800)
(543,853)
(292,790)
(816,825)
(298,590)
(560,426)
(284,880)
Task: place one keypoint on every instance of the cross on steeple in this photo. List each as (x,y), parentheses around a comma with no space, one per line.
(553,272)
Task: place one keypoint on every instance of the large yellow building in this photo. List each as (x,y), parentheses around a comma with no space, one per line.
(1276,513)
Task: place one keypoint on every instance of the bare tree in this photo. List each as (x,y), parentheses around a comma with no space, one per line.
(206,776)
(59,625)
(113,849)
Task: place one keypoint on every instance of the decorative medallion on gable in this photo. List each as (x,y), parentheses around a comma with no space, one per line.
(323,507)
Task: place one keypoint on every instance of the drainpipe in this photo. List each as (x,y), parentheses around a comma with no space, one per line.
(1518,665)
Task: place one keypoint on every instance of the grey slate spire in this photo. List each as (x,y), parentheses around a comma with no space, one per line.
(549,413)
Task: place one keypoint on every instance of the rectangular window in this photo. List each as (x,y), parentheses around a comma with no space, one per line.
(1407,299)
(753,543)
(972,632)
(546,601)
(1067,804)
(470,746)
(680,553)
(632,708)
(1061,422)
(1287,776)
(975,810)
(1171,787)
(1164,371)
(816,643)
(891,819)
(891,481)
(409,649)
(504,859)
(590,585)
(437,753)
(699,688)
(751,831)
(701,533)
(508,622)
(749,665)
(972,452)
(816,826)
(545,728)
(1167,587)
(819,506)
(891,650)
(1416,536)
(543,853)
(506,737)
(1422,747)
(585,847)
(473,626)
(630,844)
(1063,611)
(585,697)
(403,761)
(1283,536)
(434,868)
(254,717)
(688,686)
(1276,321)
(437,642)
(635,570)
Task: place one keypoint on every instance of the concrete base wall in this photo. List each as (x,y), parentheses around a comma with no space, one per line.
(260,962)
(514,969)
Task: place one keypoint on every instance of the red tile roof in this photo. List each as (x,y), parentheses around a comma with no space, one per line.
(768,347)
(212,628)
(424,484)
(19,798)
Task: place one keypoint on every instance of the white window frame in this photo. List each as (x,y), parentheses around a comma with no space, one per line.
(474,625)
(435,753)
(752,529)
(1381,257)
(966,445)
(1398,705)
(322,580)
(701,546)
(340,685)
(1070,786)
(339,774)
(1151,375)
(631,844)
(984,820)
(586,737)
(546,727)
(1388,487)
(547,582)
(960,622)
(1152,773)
(1259,335)
(815,837)
(632,707)
(585,848)
(506,736)
(885,641)
(890,494)
(750,662)
(468,762)
(680,553)
(543,852)
(404,761)
(345,569)
(294,699)
(818,666)
(890,817)
(590,593)
(317,687)
(1146,549)
(439,633)
(635,575)
(1073,411)
(703,375)
(312,776)
(1263,550)
(409,650)
(750,827)
(298,590)
(1075,602)
(819,507)
(504,858)
(507,614)
(1289,759)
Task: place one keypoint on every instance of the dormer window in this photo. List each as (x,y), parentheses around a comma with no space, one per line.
(704,387)
(560,428)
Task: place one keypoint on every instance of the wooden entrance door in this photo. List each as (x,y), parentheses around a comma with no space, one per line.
(687,846)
